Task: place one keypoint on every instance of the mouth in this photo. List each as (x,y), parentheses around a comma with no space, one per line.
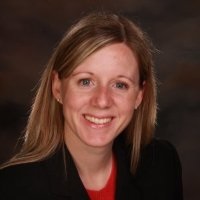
(98,121)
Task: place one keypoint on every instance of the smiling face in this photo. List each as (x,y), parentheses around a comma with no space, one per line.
(100,96)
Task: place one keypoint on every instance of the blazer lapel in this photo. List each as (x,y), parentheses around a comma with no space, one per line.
(76,187)
(126,187)
(63,177)
(64,180)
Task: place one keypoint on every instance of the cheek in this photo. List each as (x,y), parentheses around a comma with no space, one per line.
(73,101)
(128,112)
(126,102)
(127,107)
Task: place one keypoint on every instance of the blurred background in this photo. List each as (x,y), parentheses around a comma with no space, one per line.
(30,30)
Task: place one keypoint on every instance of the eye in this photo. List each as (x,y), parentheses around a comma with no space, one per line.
(85,82)
(121,85)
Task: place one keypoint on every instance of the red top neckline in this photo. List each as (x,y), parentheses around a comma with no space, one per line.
(108,192)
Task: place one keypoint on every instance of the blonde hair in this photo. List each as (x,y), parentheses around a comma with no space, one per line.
(44,131)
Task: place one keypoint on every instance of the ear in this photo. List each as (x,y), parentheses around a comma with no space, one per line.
(56,87)
(139,96)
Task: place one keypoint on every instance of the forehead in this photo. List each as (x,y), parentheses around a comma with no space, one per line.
(112,58)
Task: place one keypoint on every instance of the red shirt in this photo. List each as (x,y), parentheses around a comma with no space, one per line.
(108,192)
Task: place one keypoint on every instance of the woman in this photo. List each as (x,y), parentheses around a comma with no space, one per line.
(90,131)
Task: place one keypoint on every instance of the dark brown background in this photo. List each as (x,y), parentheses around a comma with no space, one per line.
(30,29)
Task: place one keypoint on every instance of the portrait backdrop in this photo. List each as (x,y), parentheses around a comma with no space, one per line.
(30,30)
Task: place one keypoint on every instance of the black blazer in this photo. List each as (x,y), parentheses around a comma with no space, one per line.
(158,177)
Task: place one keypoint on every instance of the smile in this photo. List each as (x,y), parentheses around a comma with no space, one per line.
(98,121)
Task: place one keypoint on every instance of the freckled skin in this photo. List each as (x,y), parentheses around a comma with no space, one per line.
(104,86)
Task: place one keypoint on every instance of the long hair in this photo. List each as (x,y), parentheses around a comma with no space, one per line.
(45,127)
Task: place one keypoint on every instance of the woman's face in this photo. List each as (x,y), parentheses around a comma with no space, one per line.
(100,96)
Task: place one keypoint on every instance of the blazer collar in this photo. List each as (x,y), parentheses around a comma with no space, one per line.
(65,181)
(126,187)
(63,176)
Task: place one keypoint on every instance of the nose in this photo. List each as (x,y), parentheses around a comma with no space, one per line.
(102,98)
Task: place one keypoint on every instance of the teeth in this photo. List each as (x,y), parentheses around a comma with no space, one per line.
(97,120)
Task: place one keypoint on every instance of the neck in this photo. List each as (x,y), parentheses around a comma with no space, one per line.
(94,164)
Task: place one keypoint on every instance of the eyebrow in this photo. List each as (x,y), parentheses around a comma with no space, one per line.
(77,73)
(119,76)
(126,77)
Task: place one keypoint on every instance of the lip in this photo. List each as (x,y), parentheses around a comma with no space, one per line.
(98,122)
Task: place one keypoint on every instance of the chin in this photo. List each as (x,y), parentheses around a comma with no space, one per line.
(98,143)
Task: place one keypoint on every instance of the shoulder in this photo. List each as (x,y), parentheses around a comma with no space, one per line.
(23,180)
(20,170)
(159,148)
(156,152)
(159,170)
(160,152)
